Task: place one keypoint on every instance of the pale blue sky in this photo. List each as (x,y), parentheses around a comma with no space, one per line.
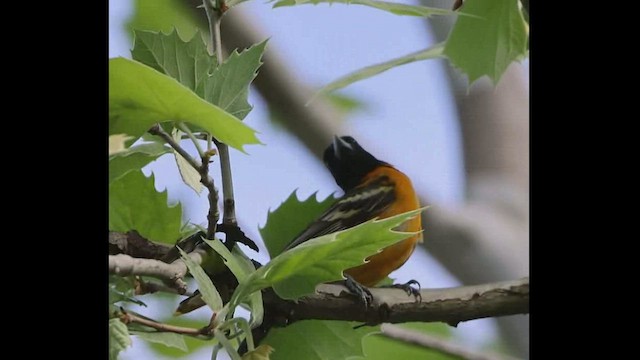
(409,121)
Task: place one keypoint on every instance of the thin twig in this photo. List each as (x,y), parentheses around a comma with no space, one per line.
(162,327)
(229,205)
(157,130)
(436,343)
(203,169)
(229,212)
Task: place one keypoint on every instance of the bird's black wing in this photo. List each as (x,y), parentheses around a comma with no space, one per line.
(355,207)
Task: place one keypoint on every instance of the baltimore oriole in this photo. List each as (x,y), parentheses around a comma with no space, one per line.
(373,189)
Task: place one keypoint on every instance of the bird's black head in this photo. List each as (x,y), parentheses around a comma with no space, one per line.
(348,161)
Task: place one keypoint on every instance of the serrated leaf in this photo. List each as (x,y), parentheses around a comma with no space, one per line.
(262,352)
(208,291)
(140,96)
(189,175)
(163,15)
(134,158)
(117,143)
(164,338)
(118,338)
(289,219)
(134,204)
(430,53)
(296,272)
(394,8)
(189,62)
(317,340)
(228,86)
(489,40)
(241,267)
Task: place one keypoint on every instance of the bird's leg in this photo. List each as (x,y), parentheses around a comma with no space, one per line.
(359,290)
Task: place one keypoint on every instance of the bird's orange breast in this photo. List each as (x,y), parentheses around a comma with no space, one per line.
(389,259)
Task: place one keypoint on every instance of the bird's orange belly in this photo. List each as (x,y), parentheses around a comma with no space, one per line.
(390,258)
(383,263)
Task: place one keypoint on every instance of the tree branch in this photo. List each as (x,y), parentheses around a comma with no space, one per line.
(450,305)
(149,287)
(436,343)
(125,265)
(134,245)
(334,302)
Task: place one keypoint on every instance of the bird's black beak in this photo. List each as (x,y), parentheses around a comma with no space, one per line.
(339,145)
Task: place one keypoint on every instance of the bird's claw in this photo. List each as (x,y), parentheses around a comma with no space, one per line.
(410,290)
(357,289)
(234,235)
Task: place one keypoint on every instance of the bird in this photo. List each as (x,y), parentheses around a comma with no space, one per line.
(372,189)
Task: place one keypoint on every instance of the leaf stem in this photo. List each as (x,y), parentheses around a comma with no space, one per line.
(187,131)
(226,343)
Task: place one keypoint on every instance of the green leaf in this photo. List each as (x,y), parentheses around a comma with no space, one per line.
(241,267)
(140,96)
(232,261)
(317,340)
(431,53)
(378,347)
(489,40)
(163,338)
(208,291)
(345,104)
(163,15)
(189,175)
(228,86)
(296,272)
(118,338)
(134,158)
(394,8)
(290,219)
(134,204)
(189,62)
